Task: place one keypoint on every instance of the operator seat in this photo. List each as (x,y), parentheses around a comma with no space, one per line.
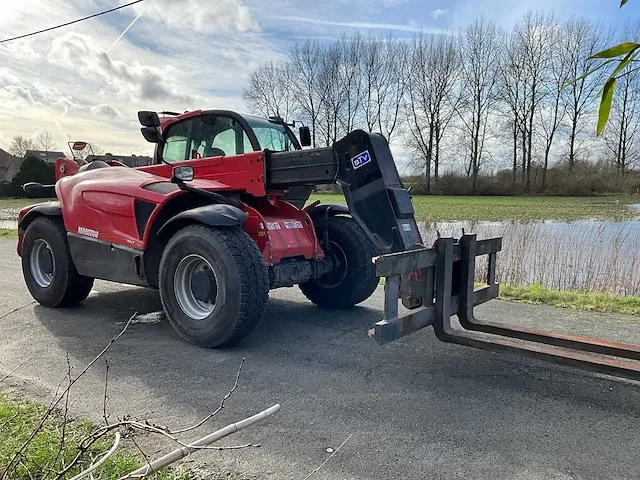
(93,165)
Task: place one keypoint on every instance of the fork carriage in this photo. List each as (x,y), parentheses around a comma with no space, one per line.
(442,281)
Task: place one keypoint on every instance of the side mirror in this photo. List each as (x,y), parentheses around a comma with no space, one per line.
(37,190)
(32,188)
(149,119)
(305,136)
(151,134)
(182,174)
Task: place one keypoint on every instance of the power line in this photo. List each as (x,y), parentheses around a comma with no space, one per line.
(71,23)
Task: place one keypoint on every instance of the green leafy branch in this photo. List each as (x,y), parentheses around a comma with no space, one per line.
(624,53)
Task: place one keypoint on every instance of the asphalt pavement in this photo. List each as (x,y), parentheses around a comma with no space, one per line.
(413,409)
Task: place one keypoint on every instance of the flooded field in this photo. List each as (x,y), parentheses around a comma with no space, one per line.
(587,255)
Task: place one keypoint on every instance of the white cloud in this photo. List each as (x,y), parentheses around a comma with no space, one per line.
(409,27)
(439,12)
(203,16)
(105,110)
(393,3)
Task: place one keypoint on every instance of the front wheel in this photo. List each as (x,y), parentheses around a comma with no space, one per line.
(353,278)
(213,284)
(48,268)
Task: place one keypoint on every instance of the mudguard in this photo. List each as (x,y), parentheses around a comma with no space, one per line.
(50,209)
(217,215)
(333,210)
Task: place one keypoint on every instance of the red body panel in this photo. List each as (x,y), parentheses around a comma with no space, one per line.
(100,203)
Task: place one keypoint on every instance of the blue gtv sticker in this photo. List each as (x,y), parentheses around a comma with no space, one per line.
(361,159)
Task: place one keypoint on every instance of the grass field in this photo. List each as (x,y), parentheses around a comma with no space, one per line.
(13,203)
(592,301)
(43,457)
(441,208)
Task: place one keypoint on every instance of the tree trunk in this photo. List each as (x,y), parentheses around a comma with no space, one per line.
(429,158)
(529,149)
(436,163)
(547,151)
(523,171)
(515,154)
(572,142)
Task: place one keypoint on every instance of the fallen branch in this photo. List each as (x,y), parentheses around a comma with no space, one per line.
(59,398)
(182,452)
(217,410)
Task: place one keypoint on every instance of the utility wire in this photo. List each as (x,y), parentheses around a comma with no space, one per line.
(71,23)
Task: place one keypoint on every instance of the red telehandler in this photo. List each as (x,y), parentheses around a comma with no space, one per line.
(220,218)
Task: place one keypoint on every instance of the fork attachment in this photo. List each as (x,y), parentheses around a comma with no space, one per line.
(445,275)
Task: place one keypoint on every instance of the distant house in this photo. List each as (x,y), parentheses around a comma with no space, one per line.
(49,157)
(9,166)
(129,160)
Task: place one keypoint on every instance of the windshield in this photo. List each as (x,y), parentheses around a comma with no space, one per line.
(272,136)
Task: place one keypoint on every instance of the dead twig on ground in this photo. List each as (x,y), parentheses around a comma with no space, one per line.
(217,410)
(105,397)
(329,458)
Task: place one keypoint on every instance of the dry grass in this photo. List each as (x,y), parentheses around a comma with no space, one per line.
(602,257)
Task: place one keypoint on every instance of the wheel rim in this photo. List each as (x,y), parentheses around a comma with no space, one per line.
(42,263)
(339,273)
(195,287)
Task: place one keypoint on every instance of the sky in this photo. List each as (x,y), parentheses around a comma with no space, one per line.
(187,54)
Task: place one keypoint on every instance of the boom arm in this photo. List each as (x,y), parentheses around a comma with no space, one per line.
(362,164)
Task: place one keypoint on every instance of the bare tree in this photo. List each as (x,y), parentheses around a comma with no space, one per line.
(305,77)
(385,70)
(481,44)
(45,141)
(351,80)
(582,39)
(269,91)
(432,98)
(554,104)
(19,146)
(533,35)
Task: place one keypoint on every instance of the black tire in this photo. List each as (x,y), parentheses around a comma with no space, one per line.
(241,284)
(348,284)
(67,287)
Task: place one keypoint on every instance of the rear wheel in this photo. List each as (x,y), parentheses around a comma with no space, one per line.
(353,278)
(48,269)
(213,284)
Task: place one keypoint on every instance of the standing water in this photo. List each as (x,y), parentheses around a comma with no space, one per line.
(587,255)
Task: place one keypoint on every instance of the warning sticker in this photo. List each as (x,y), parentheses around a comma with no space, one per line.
(293,224)
(273,226)
(406,227)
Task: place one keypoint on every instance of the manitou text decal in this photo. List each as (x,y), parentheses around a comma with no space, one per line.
(88,232)
(361,159)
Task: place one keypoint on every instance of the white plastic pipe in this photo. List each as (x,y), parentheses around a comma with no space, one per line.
(100,462)
(182,452)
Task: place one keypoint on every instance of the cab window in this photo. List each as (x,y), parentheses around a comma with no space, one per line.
(175,146)
(215,135)
(203,137)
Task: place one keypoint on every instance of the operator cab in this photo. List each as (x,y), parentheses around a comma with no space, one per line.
(212,133)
